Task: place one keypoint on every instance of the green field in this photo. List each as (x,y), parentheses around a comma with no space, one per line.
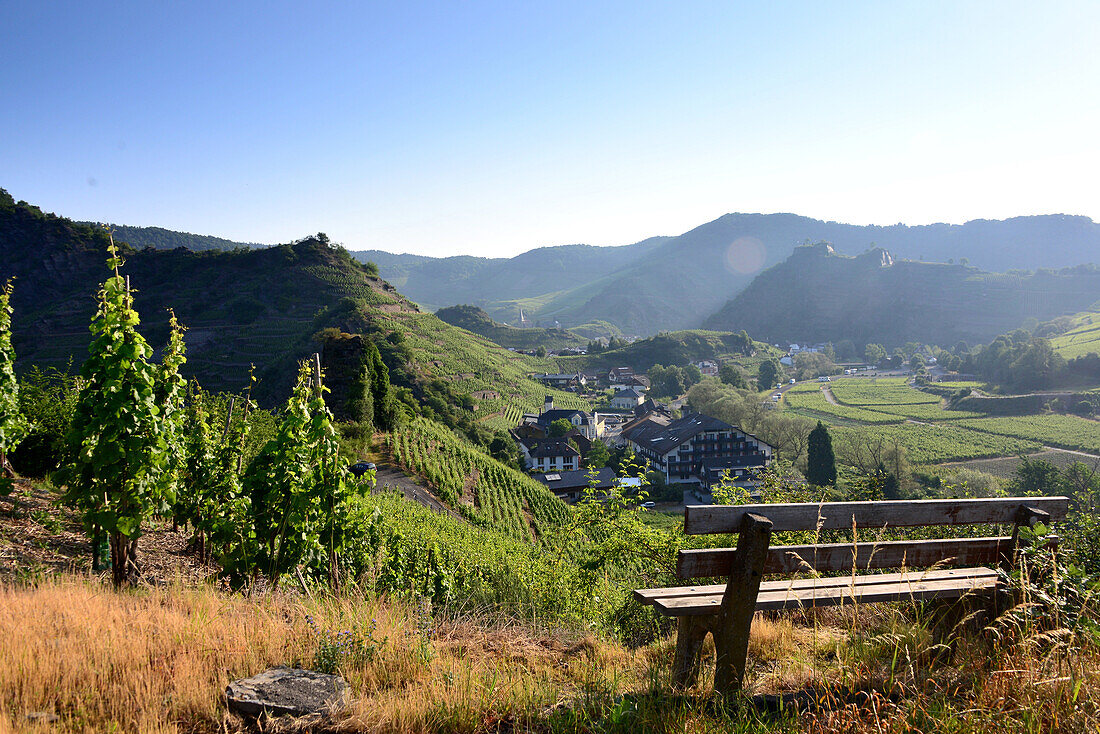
(1082,339)
(879,392)
(1063,431)
(808,400)
(935,444)
(938,435)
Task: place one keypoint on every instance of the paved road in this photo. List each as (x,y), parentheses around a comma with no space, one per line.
(394,478)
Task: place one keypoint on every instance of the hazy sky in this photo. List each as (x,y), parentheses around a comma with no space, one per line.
(491,128)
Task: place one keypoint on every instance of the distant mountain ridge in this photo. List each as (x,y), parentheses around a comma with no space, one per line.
(669,283)
(819,294)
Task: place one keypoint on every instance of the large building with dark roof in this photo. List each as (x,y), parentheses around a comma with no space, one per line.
(697,449)
(571,485)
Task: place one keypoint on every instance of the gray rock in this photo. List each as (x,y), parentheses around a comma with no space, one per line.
(279,691)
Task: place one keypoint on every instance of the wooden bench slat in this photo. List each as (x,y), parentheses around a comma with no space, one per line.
(908,590)
(648,596)
(827,557)
(702,519)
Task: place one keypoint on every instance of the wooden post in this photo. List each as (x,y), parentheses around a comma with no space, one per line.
(731,628)
(690,635)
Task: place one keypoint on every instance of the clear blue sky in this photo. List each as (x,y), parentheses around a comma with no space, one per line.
(491,128)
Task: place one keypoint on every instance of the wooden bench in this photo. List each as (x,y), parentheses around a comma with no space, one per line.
(951,567)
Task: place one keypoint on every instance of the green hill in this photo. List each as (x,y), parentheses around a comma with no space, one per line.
(245,307)
(472,318)
(674,348)
(819,295)
(1082,335)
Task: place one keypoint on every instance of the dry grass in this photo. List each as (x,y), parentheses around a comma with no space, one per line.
(158,660)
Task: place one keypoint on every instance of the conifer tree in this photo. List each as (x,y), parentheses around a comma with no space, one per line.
(821,463)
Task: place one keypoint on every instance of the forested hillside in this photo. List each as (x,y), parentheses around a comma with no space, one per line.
(667,283)
(820,295)
(257,307)
(167,239)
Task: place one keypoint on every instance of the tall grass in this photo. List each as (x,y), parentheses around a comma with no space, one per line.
(158,660)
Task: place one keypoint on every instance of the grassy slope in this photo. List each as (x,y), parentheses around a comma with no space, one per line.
(1083,338)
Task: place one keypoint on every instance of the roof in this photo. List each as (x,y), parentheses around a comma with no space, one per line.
(662,435)
(549,416)
(561,376)
(629,392)
(563,481)
(550,449)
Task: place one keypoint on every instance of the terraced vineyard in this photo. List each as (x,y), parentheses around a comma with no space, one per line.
(473,363)
(480,487)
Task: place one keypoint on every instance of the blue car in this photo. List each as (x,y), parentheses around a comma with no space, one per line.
(361,468)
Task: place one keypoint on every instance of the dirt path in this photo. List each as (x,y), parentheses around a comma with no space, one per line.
(829,398)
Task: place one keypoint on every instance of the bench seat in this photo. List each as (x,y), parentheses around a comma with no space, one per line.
(684,601)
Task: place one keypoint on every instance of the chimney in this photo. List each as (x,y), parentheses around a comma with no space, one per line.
(548,405)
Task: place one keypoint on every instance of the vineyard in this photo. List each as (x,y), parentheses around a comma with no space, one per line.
(1063,431)
(938,443)
(473,363)
(810,401)
(926,412)
(1082,340)
(879,392)
(480,487)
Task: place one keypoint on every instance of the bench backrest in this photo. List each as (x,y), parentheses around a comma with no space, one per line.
(703,519)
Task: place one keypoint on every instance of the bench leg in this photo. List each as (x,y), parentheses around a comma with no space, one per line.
(691,633)
(731,628)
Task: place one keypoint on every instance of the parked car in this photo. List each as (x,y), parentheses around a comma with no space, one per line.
(361,468)
(649,505)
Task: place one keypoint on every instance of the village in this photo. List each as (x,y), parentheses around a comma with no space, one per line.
(691,453)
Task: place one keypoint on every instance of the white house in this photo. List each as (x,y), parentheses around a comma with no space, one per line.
(554,456)
(627,399)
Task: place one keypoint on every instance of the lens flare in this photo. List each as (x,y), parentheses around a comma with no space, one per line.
(745,255)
